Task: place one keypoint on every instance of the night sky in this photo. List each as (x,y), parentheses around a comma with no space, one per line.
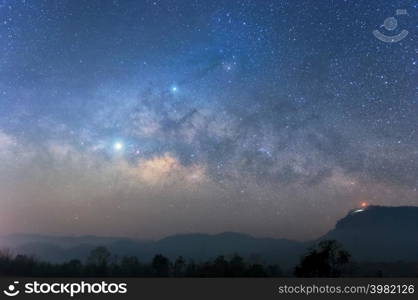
(150,118)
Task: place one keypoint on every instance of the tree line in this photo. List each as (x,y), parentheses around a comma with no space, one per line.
(100,263)
(325,260)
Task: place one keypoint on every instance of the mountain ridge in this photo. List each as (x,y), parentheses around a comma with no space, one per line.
(379,233)
(374,233)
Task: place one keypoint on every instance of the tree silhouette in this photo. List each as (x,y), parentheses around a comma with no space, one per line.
(220,266)
(161,265)
(130,266)
(98,261)
(236,266)
(101,263)
(179,267)
(326,260)
(73,268)
(99,256)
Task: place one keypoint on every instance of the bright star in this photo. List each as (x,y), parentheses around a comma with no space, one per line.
(174,89)
(118,146)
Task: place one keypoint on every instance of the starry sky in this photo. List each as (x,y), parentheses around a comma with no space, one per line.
(149,118)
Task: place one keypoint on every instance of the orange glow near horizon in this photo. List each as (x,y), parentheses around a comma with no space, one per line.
(364,204)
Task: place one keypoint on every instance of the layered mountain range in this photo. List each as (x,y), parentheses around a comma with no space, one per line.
(372,234)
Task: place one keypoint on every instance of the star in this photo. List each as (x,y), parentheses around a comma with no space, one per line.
(118,146)
(309,119)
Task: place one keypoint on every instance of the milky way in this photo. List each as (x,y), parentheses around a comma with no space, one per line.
(150,118)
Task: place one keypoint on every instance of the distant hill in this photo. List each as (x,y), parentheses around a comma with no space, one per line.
(62,248)
(207,246)
(373,234)
(379,233)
